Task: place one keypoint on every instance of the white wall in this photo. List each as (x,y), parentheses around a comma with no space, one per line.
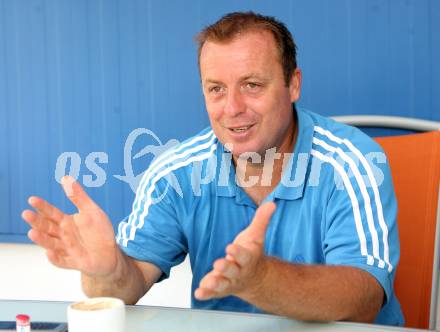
(26,274)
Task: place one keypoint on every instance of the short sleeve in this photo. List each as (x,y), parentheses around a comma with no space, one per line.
(360,226)
(152,231)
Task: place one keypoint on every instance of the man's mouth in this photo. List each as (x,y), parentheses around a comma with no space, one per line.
(240,129)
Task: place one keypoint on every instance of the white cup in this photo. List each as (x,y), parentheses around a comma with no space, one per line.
(105,314)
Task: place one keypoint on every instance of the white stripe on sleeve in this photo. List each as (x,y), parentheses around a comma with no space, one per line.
(354,203)
(158,176)
(365,195)
(164,159)
(374,186)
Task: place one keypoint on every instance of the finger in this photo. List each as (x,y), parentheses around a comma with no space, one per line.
(239,255)
(46,241)
(77,195)
(65,232)
(215,285)
(46,208)
(256,231)
(41,223)
(227,269)
(202,294)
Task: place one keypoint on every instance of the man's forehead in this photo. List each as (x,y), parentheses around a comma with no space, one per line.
(246,46)
(257,37)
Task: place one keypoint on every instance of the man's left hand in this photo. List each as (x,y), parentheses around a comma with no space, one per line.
(243,268)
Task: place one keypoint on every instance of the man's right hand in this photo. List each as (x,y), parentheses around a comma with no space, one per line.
(84,241)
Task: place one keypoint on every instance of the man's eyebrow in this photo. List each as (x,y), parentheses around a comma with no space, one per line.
(242,79)
(208,80)
(254,76)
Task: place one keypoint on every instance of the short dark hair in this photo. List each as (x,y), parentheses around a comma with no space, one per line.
(232,24)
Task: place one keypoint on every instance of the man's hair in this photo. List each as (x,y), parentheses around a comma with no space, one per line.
(233,24)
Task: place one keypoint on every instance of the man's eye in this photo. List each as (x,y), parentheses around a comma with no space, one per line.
(215,89)
(252,86)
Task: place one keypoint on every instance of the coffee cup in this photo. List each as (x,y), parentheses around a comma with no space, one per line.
(96,314)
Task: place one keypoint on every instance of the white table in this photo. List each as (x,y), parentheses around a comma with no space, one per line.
(160,319)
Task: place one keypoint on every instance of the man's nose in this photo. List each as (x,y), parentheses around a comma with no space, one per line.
(234,103)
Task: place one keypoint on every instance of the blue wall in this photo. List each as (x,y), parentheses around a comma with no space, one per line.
(80,76)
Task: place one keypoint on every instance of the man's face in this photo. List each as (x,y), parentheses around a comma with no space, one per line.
(248,102)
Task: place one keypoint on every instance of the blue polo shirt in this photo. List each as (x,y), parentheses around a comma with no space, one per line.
(335,206)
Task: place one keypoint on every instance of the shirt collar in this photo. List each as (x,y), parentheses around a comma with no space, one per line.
(295,173)
(225,174)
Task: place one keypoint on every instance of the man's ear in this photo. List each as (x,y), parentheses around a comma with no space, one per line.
(295,85)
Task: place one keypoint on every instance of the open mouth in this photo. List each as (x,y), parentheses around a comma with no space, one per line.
(240,129)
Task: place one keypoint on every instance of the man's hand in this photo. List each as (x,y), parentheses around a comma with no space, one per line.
(305,292)
(243,268)
(84,241)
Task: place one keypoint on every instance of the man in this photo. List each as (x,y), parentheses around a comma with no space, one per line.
(312,248)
